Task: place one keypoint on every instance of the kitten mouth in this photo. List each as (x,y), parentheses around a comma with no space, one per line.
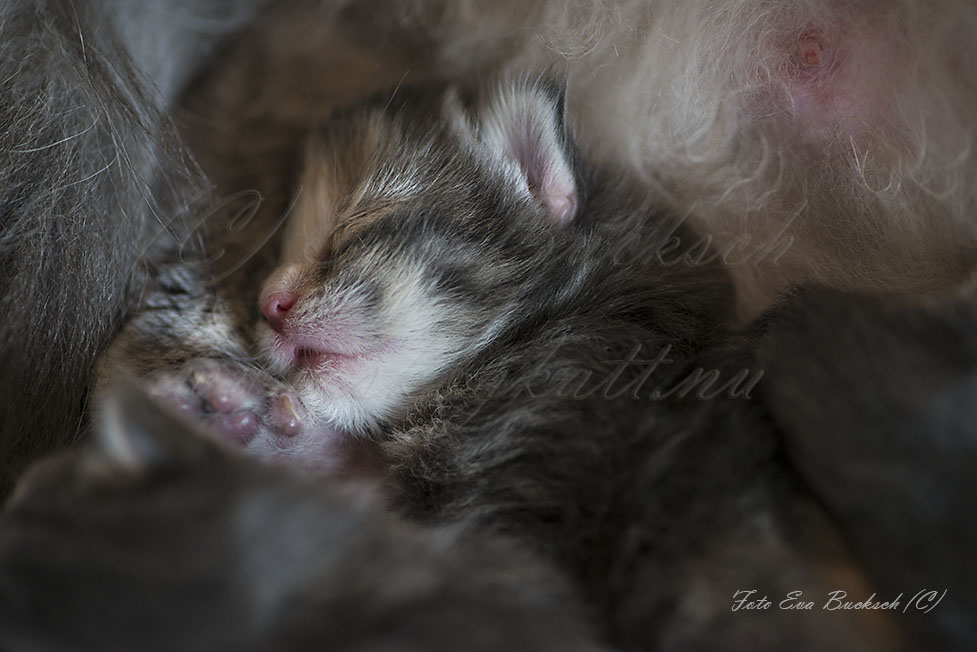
(299,358)
(290,352)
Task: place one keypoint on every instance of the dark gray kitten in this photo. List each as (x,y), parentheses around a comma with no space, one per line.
(515,335)
(92,177)
(152,537)
(877,402)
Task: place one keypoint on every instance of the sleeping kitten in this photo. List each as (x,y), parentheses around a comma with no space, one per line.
(514,336)
(429,232)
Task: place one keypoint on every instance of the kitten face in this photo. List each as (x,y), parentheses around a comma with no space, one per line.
(422,229)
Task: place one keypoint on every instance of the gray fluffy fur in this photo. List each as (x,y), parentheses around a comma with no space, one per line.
(92,178)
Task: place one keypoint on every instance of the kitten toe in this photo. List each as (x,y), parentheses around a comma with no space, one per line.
(286,414)
(240,428)
(224,389)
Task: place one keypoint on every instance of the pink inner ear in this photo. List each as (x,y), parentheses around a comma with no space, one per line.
(548,176)
(559,196)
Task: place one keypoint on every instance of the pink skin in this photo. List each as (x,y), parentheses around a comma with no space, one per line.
(326,349)
(255,412)
(313,361)
(275,306)
(321,355)
(839,77)
(232,401)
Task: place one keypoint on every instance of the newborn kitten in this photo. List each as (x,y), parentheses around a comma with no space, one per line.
(513,333)
(431,233)
(152,537)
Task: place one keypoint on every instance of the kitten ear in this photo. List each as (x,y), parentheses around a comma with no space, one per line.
(133,432)
(524,122)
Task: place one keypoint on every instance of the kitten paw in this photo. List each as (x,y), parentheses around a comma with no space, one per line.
(258,413)
(235,401)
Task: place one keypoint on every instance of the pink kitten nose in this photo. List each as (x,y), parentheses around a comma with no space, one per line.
(275,306)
